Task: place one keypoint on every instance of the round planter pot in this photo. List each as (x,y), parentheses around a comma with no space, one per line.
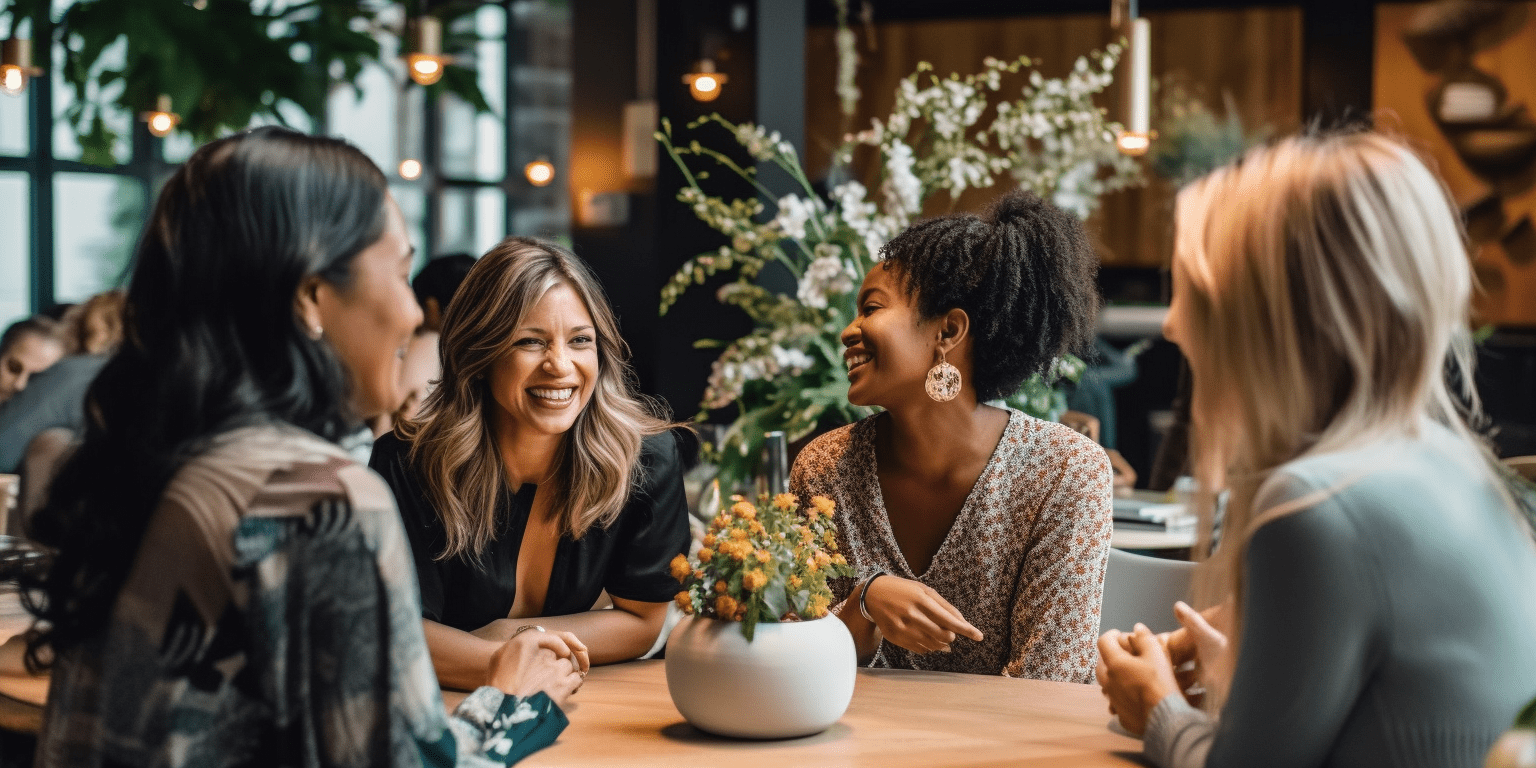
(794,679)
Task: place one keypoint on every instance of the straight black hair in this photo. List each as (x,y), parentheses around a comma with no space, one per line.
(211,343)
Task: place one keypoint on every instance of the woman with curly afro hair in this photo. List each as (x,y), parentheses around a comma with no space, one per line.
(979,534)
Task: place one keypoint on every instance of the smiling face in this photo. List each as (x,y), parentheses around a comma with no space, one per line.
(370,320)
(889,348)
(547,378)
(29,354)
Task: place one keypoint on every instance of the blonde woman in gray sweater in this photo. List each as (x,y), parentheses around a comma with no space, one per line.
(1374,574)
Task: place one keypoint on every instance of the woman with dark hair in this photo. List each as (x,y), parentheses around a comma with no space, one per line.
(536,477)
(979,534)
(229,587)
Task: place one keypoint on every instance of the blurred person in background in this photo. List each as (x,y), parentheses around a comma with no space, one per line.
(26,348)
(54,399)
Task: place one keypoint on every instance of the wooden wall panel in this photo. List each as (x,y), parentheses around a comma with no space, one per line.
(1505,255)
(1252,54)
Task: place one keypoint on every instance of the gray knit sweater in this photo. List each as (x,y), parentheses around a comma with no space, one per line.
(1390,623)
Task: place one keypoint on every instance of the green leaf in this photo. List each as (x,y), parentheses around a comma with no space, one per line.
(776,601)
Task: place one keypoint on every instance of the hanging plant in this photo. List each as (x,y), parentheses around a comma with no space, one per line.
(223,63)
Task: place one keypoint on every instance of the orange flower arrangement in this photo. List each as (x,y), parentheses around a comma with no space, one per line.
(763,562)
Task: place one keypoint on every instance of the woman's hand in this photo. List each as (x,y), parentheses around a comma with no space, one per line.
(913,616)
(533,661)
(1135,674)
(1198,651)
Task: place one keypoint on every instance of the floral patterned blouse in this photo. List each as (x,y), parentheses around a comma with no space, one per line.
(271,618)
(1023,561)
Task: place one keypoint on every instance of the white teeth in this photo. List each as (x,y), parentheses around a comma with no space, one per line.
(856,361)
(554,394)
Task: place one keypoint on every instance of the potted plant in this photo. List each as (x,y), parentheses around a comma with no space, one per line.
(759,654)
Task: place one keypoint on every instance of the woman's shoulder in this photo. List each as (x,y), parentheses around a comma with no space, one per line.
(831,446)
(1046,444)
(273,472)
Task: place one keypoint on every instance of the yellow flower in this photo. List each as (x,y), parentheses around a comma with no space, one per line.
(725,605)
(684,601)
(786,502)
(794,581)
(709,540)
(758,529)
(817,607)
(806,535)
(720,586)
(740,550)
(680,567)
(706,554)
(739,534)
(720,523)
(822,559)
(762,555)
(699,574)
(736,497)
(823,505)
(753,580)
(829,536)
(744,510)
(839,559)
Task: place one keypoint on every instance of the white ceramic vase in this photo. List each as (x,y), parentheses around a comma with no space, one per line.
(794,679)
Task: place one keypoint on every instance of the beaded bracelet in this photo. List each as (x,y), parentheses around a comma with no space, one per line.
(864,592)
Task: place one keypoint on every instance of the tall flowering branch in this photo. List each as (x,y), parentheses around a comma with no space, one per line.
(943,135)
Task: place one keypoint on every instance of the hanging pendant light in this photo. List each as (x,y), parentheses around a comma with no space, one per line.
(16,65)
(426,61)
(704,82)
(1136,137)
(161,119)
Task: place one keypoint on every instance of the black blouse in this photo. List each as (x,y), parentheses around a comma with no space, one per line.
(629,558)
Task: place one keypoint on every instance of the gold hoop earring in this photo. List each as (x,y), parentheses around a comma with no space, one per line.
(943,384)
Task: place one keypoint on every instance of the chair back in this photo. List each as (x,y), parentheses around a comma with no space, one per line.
(1144,589)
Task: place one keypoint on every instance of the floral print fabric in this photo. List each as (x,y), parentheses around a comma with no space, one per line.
(1023,562)
(271,618)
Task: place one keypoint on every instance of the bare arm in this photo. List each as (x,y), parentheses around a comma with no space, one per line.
(620,634)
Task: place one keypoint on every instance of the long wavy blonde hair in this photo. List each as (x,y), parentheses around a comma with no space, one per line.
(1322,290)
(453,442)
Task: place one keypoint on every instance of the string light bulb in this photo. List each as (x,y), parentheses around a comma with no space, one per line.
(161,119)
(410,169)
(16,65)
(704,82)
(426,62)
(540,172)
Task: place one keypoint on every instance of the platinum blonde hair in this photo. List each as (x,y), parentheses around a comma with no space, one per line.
(453,441)
(1322,291)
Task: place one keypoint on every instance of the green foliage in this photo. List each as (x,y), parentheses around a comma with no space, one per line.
(1191,139)
(223,65)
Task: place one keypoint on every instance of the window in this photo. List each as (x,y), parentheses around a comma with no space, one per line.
(68,230)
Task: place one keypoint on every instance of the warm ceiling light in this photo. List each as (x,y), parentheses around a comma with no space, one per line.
(426,61)
(16,65)
(540,172)
(704,82)
(1133,143)
(161,119)
(410,170)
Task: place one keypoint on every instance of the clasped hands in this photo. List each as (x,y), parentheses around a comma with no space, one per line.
(1138,669)
(532,661)
(912,615)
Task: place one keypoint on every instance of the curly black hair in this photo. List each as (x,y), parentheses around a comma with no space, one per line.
(1024,273)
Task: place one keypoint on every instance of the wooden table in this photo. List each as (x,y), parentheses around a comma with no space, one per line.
(623,716)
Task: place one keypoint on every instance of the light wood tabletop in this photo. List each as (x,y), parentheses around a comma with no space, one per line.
(623,716)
